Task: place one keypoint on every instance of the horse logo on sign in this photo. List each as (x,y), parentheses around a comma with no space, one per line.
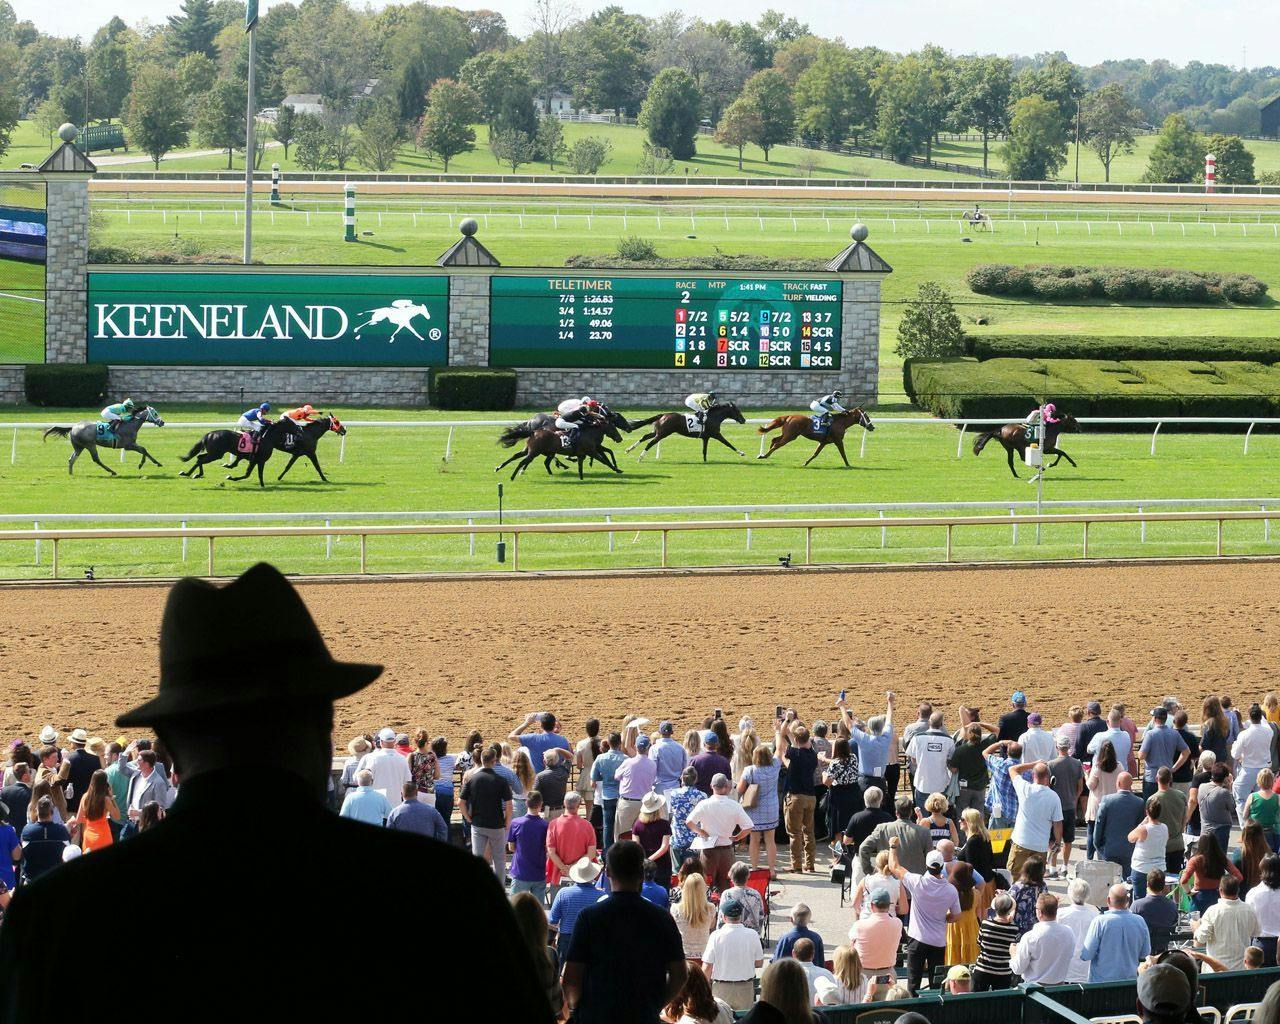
(401,312)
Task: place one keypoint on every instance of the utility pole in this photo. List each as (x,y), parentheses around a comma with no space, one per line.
(250,26)
(1078,98)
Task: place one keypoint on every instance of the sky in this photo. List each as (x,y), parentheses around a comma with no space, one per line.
(1088,31)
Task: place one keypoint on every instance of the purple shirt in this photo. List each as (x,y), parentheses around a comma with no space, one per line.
(709,765)
(528,834)
(635,777)
(931,897)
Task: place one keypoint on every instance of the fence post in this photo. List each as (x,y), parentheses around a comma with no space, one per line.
(960,442)
(13,452)
(1266,527)
(884,532)
(1246,437)
(55,558)
(471,539)
(363,551)
(862,448)
(747,517)
(36,526)
(808,545)
(448,446)
(948,558)
(1142,528)
(209,565)
(609,519)
(328,543)
(664,549)
(15,434)
(515,551)
(1084,548)
(1219,538)
(184,541)
(342,448)
(1154,434)
(657,451)
(1014,512)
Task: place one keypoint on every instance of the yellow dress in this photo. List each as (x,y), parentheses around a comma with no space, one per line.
(962,938)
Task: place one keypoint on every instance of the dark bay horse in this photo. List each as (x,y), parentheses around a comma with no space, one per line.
(213,446)
(1014,438)
(84,437)
(801,425)
(279,435)
(589,444)
(547,421)
(669,423)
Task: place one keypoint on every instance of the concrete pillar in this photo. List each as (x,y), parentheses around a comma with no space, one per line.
(66,278)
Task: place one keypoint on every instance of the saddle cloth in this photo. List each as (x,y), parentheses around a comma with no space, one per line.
(692,424)
(566,440)
(105,434)
(245,443)
(819,425)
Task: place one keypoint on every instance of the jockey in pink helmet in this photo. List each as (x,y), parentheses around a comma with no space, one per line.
(1046,414)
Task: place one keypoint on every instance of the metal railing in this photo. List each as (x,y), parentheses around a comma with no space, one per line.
(663,528)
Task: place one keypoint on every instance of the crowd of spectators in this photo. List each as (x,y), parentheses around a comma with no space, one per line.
(639,860)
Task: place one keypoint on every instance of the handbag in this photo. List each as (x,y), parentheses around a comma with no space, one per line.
(751,796)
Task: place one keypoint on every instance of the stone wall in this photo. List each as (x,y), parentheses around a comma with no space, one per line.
(12,385)
(468,319)
(334,386)
(66,278)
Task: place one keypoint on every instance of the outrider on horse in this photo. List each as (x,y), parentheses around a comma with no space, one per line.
(1014,438)
(90,435)
(686,425)
(801,425)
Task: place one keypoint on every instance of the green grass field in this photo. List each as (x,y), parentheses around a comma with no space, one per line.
(401,469)
(21,311)
(918,249)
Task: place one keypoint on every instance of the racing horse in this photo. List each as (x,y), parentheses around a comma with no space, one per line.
(279,435)
(212,447)
(84,437)
(1014,438)
(669,423)
(588,444)
(547,421)
(801,425)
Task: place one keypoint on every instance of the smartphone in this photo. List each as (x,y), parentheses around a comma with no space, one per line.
(842,693)
(719,713)
(777,711)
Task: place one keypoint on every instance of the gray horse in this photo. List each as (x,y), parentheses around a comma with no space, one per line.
(85,436)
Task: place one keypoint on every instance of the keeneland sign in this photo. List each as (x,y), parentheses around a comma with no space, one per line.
(158,317)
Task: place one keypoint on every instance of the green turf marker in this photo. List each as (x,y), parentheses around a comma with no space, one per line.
(275,184)
(349,215)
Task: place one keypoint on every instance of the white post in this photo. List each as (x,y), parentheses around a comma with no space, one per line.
(862,448)
(13,452)
(1266,528)
(884,532)
(328,543)
(342,448)
(1142,528)
(960,441)
(1154,434)
(747,516)
(448,445)
(1246,437)
(471,539)
(657,450)
(609,519)
(184,542)
(36,526)
(761,443)
(1014,512)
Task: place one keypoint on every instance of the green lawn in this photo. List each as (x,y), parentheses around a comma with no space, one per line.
(398,469)
(1127,167)
(21,311)
(917,249)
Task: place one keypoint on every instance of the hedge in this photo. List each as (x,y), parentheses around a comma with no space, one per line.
(1084,346)
(965,388)
(65,384)
(475,388)
(700,261)
(1116,284)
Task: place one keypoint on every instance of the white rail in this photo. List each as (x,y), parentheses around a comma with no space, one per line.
(949,523)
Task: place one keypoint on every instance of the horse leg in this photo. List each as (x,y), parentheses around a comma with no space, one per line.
(1062,455)
(1009,452)
(145,455)
(517,455)
(315,462)
(581,460)
(816,452)
(654,438)
(71,462)
(292,460)
(839,443)
(547,463)
(705,439)
(93,454)
(641,441)
(528,458)
(777,443)
(728,444)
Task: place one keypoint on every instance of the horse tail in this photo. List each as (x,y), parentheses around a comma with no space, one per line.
(647,421)
(196,449)
(56,432)
(981,440)
(513,434)
(773,424)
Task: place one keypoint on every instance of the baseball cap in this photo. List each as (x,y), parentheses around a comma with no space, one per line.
(1164,990)
(710,739)
(934,860)
(880,897)
(1018,697)
(731,909)
(666,728)
(1035,718)
(1095,707)
(387,736)
(958,973)
(642,742)
(1063,741)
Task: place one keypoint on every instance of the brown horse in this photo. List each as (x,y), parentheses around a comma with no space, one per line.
(1014,438)
(676,423)
(589,444)
(801,425)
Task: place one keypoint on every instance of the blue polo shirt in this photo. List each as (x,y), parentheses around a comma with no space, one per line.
(415,816)
(366,804)
(571,901)
(605,771)
(873,751)
(1161,745)
(8,843)
(670,757)
(538,743)
(1114,945)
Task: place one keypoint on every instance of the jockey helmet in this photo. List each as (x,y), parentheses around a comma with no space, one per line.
(712,395)
(591,403)
(1050,409)
(308,410)
(837,394)
(265,407)
(128,403)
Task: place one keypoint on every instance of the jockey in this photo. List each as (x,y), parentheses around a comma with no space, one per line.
(299,417)
(572,413)
(700,402)
(828,404)
(121,412)
(253,420)
(1041,414)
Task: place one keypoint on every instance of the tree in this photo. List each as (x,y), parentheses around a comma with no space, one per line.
(380,136)
(285,129)
(342,139)
(903,88)
(794,59)
(109,78)
(654,160)
(502,82)
(739,125)
(1178,154)
(1037,145)
(831,96)
(550,20)
(982,94)
(606,61)
(512,146)
(550,139)
(930,327)
(156,115)
(192,31)
(219,120)
(446,131)
(49,117)
(328,49)
(1055,79)
(719,68)
(671,111)
(1242,116)
(314,151)
(768,92)
(939,101)
(429,43)
(1234,161)
(588,154)
(196,75)
(1109,124)
(10,108)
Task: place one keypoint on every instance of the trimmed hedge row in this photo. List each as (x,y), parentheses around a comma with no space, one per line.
(475,388)
(1118,284)
(1076,346)
(65,384)
(963,387)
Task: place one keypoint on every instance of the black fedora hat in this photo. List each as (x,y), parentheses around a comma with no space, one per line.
(251,642)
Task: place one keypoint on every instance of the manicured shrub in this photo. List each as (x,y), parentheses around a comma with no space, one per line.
(65,384)
(1062,283)
(1084,346)
(476,388)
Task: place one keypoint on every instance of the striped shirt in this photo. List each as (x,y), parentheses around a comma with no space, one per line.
(994,938)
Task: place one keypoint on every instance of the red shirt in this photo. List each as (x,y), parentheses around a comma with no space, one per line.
(570,836)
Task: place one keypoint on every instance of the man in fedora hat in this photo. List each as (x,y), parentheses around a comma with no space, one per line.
(81,766)
(265,890)
(571,900)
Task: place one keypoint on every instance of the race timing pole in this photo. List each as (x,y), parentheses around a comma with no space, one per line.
(250,27)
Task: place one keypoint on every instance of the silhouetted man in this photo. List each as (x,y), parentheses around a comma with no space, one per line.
(257,906)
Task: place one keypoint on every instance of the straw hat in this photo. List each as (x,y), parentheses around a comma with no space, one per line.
(358,747)
(584,871)
(652,803)
(96,746)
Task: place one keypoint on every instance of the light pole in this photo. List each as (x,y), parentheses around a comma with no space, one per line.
(250,26)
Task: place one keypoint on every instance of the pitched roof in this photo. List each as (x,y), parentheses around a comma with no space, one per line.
(467,251)
(858,258)
(67,158)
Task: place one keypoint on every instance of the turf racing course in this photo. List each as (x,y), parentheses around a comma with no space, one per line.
(489,651)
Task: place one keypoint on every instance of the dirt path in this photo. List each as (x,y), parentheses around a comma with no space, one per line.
(480,654)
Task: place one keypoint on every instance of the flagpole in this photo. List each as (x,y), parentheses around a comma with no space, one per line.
(251,26)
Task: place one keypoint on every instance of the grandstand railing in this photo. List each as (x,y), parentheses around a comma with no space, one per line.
(664,528)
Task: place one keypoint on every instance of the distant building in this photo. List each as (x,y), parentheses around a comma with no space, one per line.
(561,103)
(304,103)
(1271,117)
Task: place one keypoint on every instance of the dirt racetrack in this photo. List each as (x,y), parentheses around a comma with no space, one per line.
(480,654)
